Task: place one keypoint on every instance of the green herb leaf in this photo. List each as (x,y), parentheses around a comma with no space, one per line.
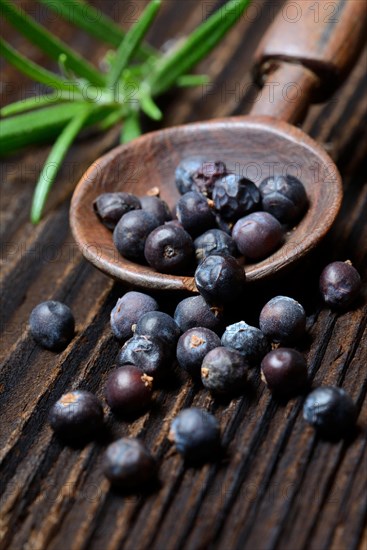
(32,103)
(95,23)
(33,70)
(131,128)
(48,43)
(131,42)
(44,124)
(150,108)
(202,40)
(187,80)
(53,162)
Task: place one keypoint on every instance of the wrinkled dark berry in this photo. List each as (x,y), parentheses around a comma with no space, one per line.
(128,311)
(284,371)
(198,175)
(196,312)
(147,354)
(220,279)
(214,241)
(169,249)
(283,320)
(128,464)
(284,197)
(196,434)
(131,233)
(195,214)
(206,176)
(157,324)
(128,390)
(156,206)
(193,346)
(235,196)
(52,325)
(340,284)
(224,371)
(110,207)
(76,416)
(257,235)
(331,411)
(184,174)
(250,341)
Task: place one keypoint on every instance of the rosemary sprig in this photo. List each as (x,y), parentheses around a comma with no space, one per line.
(55,158)
(48,43)
(82,95)
(131,42)
(195,47)
(95,23)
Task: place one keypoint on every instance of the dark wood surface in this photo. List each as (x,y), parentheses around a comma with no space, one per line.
(278,486)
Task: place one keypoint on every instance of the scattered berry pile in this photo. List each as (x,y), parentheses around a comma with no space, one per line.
(219,213)
(219,357)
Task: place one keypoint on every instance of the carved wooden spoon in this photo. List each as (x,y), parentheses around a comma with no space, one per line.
(302,58)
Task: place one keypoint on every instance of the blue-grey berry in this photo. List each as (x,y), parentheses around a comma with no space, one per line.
(248,340)
(196,434)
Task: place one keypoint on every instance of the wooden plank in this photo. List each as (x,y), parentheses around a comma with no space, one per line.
(278,486)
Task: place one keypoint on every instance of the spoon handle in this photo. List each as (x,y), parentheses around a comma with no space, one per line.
(306,54)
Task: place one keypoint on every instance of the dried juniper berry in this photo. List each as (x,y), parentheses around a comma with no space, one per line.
(156,206)
(128,464)
(196,435)
(193,346)
(331,411)
(184,174)
(196,312)
(220,279)
(128,311)
(131,233)
(283,320)
(198,175)
(250,341)
(235,196)
(128,390)
(52,325)
(76,416)
(214,241)
(284,371)
(340,284)
(110,207)
(147,354)
(257,235)
(284,197)
(224,371)
(206,176)
(157,324)
(195,214)
(169,249)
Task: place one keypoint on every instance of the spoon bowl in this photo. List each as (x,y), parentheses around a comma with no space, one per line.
(254,146)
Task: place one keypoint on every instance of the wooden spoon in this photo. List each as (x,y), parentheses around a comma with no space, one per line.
(301,59)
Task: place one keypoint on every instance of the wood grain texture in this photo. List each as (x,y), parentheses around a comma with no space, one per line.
(279,486)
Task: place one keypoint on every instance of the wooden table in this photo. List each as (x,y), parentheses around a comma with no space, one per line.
(278,486)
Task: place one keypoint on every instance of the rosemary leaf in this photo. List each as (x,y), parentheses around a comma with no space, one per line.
(32,103)
(54,161)
(150,108)
(131,128)
(95,23)
(200,42)
(34,71)
(187,80)
(48,43)
(44,125)
(131,42)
